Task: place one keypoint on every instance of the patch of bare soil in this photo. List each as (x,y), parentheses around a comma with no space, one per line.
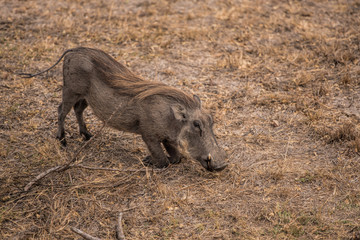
(280,77)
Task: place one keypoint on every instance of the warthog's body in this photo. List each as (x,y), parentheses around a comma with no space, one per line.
(161,114)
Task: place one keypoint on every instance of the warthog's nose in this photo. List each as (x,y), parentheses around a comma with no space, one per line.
(221,167)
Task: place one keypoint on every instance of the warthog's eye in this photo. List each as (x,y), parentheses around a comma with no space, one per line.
(197,125)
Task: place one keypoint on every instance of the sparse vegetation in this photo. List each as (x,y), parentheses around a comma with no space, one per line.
(280,77)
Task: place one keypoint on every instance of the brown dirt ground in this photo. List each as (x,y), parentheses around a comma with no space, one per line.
(280,77)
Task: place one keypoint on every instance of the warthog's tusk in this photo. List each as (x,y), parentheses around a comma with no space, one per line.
(209,157)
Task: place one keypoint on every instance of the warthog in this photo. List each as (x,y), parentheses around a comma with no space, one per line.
(165,117)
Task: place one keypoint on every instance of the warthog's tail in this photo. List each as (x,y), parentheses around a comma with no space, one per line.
(29,75)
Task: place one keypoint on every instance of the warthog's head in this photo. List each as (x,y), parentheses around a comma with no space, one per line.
(197,137)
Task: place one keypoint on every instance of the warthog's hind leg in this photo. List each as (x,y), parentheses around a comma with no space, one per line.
(69,100)
(79,108)
(62,112)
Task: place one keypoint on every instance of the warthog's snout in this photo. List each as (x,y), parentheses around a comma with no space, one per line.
(213,164)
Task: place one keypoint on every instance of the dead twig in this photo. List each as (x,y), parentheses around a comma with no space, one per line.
(116,169)
(72,160)
(40,176)
(83,234)
(119,230)
(108,169)
(64,167)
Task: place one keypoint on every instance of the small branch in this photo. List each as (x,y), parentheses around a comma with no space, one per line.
(119,230)
(83,234)
(65,167)
(72,160)
(105,169)
(40,176)
(115,169)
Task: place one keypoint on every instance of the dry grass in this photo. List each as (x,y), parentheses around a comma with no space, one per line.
(281,78)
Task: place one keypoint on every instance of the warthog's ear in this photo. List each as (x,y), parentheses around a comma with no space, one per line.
(179,112)
(197,99)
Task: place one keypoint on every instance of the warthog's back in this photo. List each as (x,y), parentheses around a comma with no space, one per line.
(107,85)
(92,68)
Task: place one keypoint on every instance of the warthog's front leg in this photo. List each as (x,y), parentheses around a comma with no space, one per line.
(158,157)
(175,155)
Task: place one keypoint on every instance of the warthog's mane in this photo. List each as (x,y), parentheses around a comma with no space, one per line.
(118,77)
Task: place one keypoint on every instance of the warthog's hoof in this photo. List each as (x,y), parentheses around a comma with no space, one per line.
(148,161)
(62,142)
(175,160)
(87,135)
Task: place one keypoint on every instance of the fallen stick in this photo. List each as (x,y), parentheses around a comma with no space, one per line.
(114,169)
(61,167)
(106,169)
(83,234)
(40,176)
(72,160)
(119,230)
(65,167)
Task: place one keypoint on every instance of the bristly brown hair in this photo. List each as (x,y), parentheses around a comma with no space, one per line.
(126,82)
